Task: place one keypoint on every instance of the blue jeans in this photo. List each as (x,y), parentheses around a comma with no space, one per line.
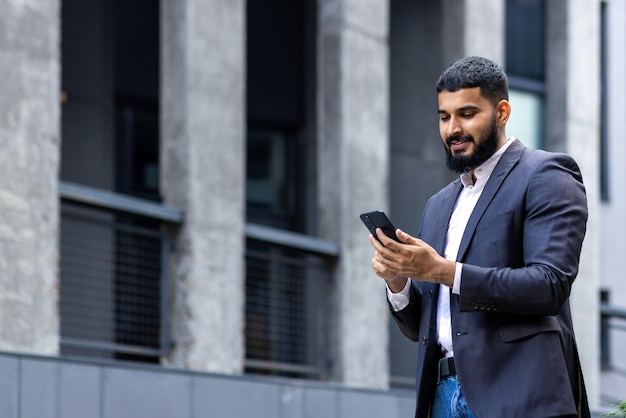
(449,400)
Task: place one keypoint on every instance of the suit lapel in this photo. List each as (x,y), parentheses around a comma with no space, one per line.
(443,218)
(508,160)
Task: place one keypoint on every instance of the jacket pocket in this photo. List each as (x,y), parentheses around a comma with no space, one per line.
(527,328)
(495,220)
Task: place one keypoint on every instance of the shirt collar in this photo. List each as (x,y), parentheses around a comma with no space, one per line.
(485,169)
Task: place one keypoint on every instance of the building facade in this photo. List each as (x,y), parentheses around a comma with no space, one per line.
(182,179)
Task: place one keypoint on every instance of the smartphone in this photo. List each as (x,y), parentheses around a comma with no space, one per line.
(378,219)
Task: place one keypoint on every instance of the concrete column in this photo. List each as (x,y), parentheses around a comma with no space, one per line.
(353,167)
(573,65)
(474,27)
(29,169)
(613,219)
(202,172)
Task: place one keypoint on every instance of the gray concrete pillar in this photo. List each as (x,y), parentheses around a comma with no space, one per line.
(473,27)
(202,172)
(613,219)
(29,171)
(353,156)
(573,126)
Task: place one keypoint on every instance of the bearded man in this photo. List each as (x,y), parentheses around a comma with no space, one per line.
(484,287)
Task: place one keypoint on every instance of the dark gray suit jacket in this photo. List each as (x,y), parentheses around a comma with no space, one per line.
(512,331)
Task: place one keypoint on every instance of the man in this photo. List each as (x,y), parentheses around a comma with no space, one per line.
(484,287)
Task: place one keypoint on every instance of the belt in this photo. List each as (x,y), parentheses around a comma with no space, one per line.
(446,368)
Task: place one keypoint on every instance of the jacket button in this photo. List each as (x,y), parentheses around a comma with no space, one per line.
(481,307)
(424,340)
(474,305)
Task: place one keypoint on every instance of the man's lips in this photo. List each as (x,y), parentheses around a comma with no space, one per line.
(457,144)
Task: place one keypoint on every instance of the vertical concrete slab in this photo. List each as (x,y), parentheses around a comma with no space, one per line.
(202,172)
(613,220)
(473,27)
(353,167)
(573,126)
(573,105)
(484,29)
(29,166)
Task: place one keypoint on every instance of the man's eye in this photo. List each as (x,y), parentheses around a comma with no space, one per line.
(468,115)
(444,117)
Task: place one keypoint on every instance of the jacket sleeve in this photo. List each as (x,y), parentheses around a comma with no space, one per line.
(408,319)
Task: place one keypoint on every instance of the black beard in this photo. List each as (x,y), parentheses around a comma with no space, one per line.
(482,151)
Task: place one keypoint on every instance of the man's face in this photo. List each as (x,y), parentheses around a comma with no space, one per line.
(468,127)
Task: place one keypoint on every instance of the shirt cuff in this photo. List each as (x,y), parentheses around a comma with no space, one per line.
(399,300)
(456,286)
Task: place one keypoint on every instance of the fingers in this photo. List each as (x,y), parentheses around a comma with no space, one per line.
(380,268)
(385,240)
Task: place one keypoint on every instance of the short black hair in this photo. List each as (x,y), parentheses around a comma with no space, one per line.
(472,72)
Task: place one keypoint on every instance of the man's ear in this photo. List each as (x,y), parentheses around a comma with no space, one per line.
(503,111)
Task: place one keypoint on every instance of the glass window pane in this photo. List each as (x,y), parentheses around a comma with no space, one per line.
(525,38)
(526,121)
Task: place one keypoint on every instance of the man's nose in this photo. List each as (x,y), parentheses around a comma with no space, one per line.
(454,127)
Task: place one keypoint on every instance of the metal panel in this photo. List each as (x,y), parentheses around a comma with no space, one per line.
(371,404)
(9,387)
(291,400)
(226,398)
(130,393)
(38,389)
(79,391)
(322,403)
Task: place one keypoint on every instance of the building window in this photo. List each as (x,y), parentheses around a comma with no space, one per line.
(112,258)
(526,121)
(286,324)
(525,65)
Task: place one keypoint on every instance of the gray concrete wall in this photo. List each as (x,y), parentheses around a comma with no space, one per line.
(612,219)
(573,126)
(202,172)
(485,29)
(353,166)
(473,27)
(29,167)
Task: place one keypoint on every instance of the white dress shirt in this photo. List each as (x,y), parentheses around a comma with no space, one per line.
(458,221)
